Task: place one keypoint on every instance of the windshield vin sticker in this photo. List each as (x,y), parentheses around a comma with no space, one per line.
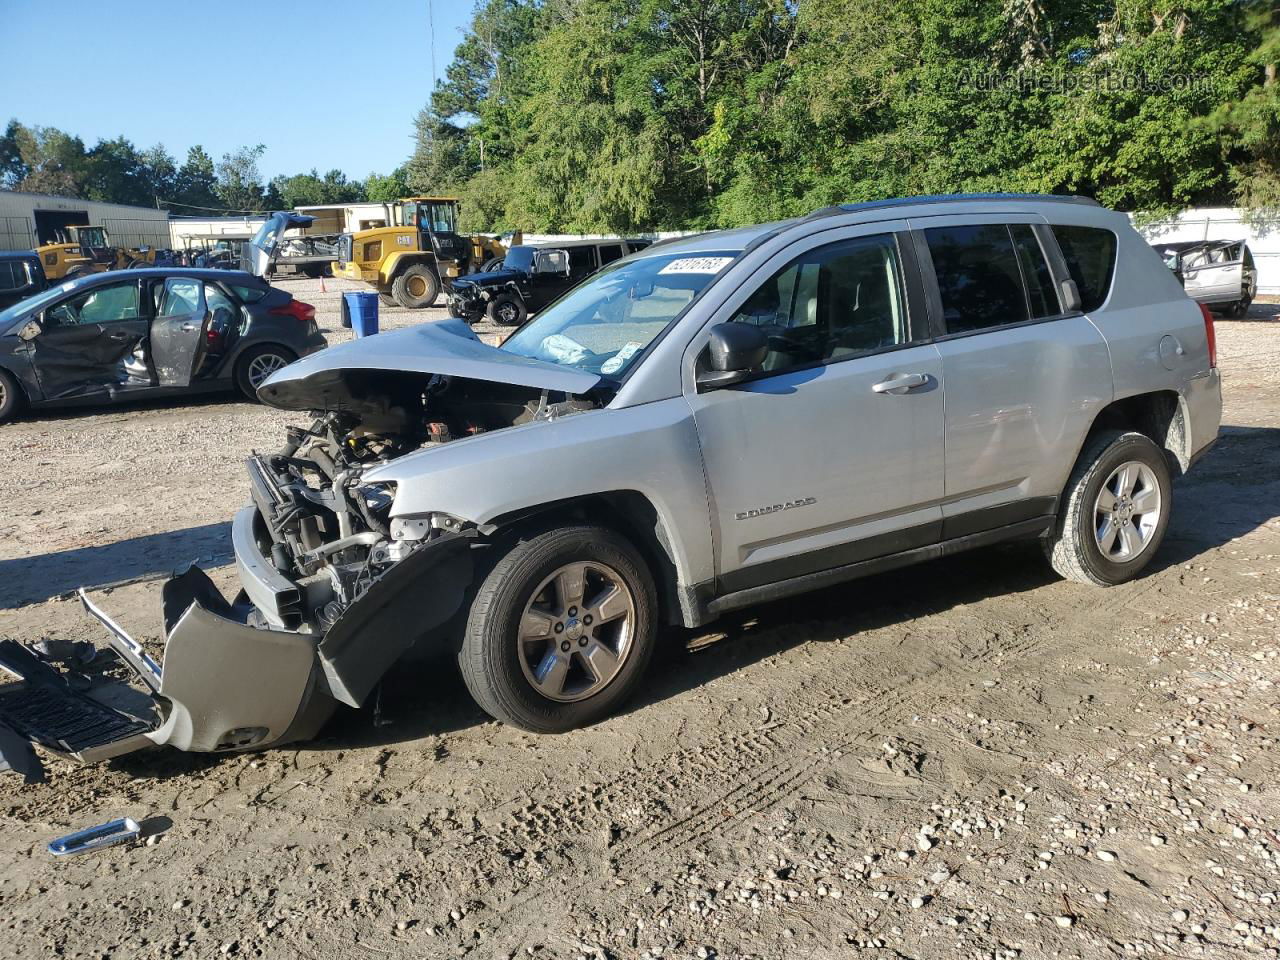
(697,265)
(765,511)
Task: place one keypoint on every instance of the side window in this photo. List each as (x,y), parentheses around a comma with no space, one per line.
(610,252)
(1248,257)
(13,274)
(835,302)
(180,297)
(582,260)
(1035,272)
(1090,253)
(113,304)
(978,276)
(248,294)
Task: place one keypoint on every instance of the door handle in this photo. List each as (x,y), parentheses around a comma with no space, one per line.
(119,334)
(189,327)
(901,383)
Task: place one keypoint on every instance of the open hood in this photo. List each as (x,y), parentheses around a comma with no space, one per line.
(261,250)
(336,378)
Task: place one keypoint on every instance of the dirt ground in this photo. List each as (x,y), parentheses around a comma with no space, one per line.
(965,759)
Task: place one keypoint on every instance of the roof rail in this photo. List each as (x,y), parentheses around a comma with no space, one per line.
(948,198)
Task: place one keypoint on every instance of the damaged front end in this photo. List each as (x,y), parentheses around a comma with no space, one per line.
(334,587)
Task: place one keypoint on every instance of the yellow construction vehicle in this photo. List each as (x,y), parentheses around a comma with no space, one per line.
(408,263)
(83,249)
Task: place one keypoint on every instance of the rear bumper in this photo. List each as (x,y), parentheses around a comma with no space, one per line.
(1202,398)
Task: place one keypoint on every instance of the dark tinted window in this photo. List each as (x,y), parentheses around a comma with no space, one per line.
(13,274)
(834,302)
(582,260)
(1035,271)
(978,276)
(248,294)
(610,252)
(1091,260)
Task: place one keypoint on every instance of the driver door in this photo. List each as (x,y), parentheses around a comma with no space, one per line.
(179,331)
(87,342)
(833,453)
(551,277)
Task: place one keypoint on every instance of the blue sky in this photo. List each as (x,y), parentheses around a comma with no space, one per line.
(229,73)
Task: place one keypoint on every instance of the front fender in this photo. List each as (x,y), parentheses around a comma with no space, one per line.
(397,260)
(651,448)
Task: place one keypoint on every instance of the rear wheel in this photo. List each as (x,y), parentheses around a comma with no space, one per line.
(1239,308)
(494,264)
(258,363)
(561,630)
(416,287)
(1116,511)
(10,397)
(386,299)
(508,311)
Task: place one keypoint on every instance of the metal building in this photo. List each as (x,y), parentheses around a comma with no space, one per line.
(29,219)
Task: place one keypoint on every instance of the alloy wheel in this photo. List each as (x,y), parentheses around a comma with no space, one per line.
(576,632)
(1127,512)
(263,366)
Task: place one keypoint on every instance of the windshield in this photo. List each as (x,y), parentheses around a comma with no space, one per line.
(604,325)
(33,305)
(441,217)
(92,237)
(519,258)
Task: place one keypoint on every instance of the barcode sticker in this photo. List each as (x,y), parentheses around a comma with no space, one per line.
(697,265)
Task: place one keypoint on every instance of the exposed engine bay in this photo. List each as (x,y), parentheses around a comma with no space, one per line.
(330,531)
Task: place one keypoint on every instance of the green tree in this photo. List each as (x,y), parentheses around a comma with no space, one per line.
(240,188)
(195,185)
(393,186)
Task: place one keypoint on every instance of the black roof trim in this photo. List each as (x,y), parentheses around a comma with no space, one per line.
(949,198)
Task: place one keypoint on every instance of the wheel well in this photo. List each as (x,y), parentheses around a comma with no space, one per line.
(20,388)
(1157,415)
(627,512)
(248,347)
(412,261)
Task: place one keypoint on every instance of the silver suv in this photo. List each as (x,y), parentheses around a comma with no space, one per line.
(710,423)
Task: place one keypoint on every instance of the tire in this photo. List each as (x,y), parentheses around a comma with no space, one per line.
(1076,551)
(248,371)
(387,300)
(498,662)
(75,273)
(1240,308)
(494,264)
(507,310)
(416,287)
(10,397)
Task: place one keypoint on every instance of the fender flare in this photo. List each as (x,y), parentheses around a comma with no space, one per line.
(396,262)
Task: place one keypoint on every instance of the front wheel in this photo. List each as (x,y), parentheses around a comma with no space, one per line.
(561,630)
(257,364)
(1116,510)
(507,310)
(10,397)
(416,287)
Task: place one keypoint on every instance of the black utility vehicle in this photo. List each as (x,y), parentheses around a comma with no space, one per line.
(531,277)
(21,275)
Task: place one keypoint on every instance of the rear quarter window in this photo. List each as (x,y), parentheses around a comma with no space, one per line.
(249,294)
(1090,253)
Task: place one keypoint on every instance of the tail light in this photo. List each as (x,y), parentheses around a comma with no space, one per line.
(1210,336)
(303,312)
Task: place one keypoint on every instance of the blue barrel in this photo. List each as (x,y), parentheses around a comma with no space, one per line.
(362,311)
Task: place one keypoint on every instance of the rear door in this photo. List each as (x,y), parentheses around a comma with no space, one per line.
(179,330)
(1024,378)
(89,342)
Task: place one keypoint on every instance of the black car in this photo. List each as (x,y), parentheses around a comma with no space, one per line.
(114,336)
(531,277)
(21,276)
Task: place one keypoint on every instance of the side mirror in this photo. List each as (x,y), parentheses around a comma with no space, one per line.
(1070,296)
(736,351)
(30,330)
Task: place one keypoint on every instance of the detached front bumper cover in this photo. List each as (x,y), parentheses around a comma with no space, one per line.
(225,683)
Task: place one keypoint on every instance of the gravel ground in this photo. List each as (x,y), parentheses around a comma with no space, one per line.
(967,759)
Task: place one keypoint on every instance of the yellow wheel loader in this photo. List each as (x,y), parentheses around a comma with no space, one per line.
(79,250)
(409,263)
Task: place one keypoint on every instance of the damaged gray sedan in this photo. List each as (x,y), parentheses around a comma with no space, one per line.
(707,424)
